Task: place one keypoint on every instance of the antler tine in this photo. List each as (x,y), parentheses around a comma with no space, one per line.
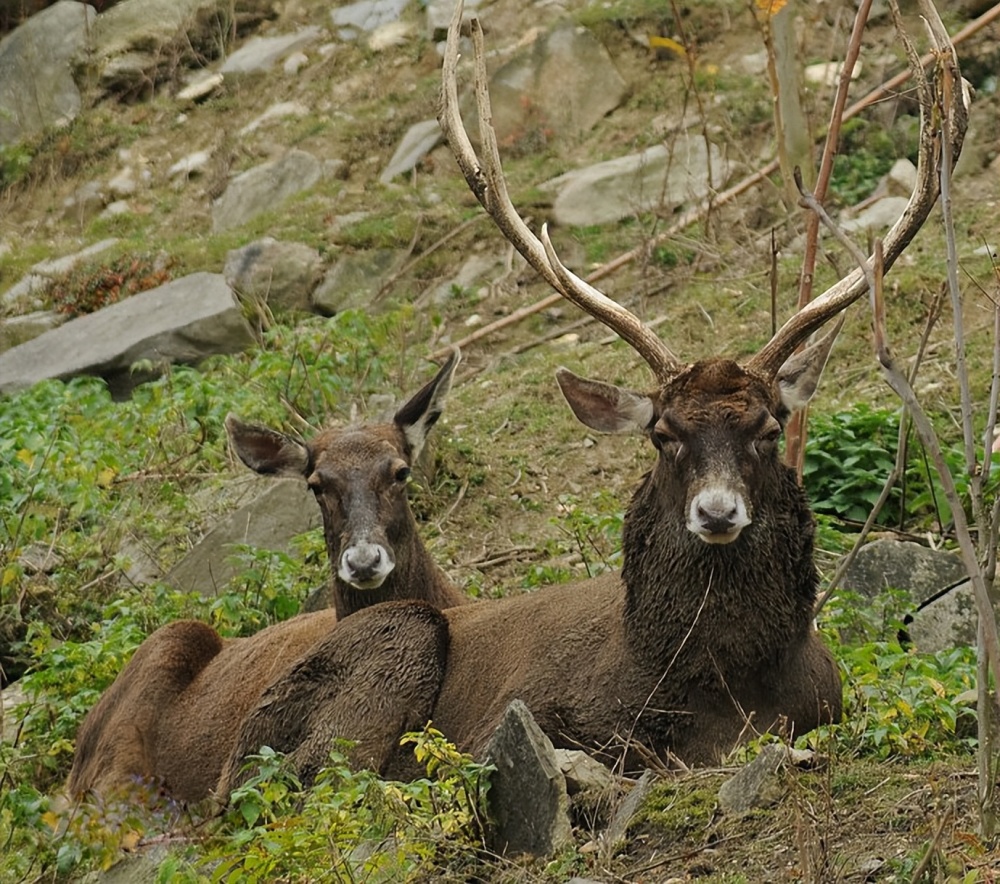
(658,356)
(486,180)
(925,192)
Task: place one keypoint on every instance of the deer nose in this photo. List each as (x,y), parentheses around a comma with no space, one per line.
(718,516)
(365,565)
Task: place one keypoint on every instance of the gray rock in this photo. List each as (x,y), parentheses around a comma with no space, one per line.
(615,833)
(879,216)
(756,784)
(283,510)
(439,12)
(583,773)
(901,179)
(945,619)
(34,287)
(760,783)
(182,321)
(275,112)
(37,90)
(201,85)
(11,696)
(528,805)
(261,188)
(139,43)
(561,85)
(192,164)
(356,18)
(659,176)
(902,565)
(281,274)
(354,281)
(420,139)
(123,184)
(86,202)
(262,53)
(16,330)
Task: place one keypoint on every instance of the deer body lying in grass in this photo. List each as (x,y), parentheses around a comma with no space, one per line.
(706,635)
(172,715)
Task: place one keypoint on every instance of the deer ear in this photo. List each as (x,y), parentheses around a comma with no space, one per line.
(799,376)
(267,451)
(605,407)
(421,412)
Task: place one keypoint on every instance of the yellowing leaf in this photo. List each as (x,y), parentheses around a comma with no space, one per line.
(771,7)
(130,840)
(51,819)
(667,43)
(106,477)
(26,457)
(10,574)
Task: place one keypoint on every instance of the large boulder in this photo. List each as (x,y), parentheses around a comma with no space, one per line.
(183,321)
(37,89)
(935,580)
(281,274)
(283,510)
(560,85)
(263,187)
(529,807)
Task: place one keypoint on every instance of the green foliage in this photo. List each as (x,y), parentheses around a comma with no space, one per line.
(595,530)
(89,287)
(866,152)
(849,457)
(15,161)
(898,702)
(269,586)
(351,825)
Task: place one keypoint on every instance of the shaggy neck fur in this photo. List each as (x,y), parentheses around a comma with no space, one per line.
(712,612)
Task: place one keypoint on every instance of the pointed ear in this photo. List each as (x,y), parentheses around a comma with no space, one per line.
(421,412)
(799,376)
(267,451)
(605,407)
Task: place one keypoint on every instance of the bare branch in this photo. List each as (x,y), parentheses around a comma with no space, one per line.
(933,131)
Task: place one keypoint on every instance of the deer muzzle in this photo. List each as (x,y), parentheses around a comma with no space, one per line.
(717,515)
(365,565)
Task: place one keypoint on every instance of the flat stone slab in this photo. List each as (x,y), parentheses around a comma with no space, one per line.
(183,321)
(659,176)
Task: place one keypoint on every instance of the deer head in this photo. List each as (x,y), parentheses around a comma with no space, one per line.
(359,475)
(713,422)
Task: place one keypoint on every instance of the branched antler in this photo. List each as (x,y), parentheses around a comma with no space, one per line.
(486,180)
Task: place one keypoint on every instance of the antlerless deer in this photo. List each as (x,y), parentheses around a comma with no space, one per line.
(706,635)
(173,713)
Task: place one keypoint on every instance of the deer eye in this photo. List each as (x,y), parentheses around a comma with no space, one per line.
(767,439)
(667,443)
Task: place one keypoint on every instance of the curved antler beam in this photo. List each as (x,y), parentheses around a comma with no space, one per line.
(486,180)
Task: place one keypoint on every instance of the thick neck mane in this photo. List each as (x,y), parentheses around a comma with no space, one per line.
(733,608)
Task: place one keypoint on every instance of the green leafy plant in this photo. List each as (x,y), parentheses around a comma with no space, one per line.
(898,702)
(350,825)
